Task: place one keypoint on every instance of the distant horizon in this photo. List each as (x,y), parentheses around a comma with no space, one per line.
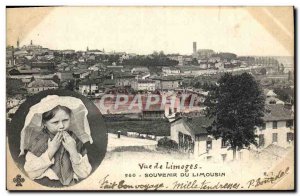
(143,30)
(101,49)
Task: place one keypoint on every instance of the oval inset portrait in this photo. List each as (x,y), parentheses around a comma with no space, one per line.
(57,138)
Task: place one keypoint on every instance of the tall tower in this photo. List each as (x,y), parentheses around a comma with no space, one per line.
(18,43)
(87,48)
(30,42)
(194,47)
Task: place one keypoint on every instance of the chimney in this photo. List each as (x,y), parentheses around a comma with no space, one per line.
(194,47)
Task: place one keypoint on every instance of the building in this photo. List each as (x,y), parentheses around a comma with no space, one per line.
(125,80)
(41,85)
(68,51)
(88,87)
(144,85)
(81,74)
(168,83)
(94,67)
(13,102)
(271,97)
(192,137)
(170,71)
(94,52)
(65,76)
(204,53)
(45,65)
(204,66)
(140,69)
(31,46)
(278,128)
(28,73)
(21,53)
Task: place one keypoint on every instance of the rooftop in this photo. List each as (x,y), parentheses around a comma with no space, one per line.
(277,112)
(42,83)
(167,78)
(198,124)
(145,81)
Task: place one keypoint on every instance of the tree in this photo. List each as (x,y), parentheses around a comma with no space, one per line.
(285,94)
(263,71)
(167,143)
(32,79)
(56,79)
(71,85)
(14,87)
(194,61)
(236,106)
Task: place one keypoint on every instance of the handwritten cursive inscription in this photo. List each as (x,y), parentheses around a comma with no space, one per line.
(122,185)
(204,185)
(268,179)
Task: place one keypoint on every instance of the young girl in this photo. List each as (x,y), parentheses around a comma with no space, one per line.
(55,152)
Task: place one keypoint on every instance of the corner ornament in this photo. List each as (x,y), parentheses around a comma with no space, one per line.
(18,180)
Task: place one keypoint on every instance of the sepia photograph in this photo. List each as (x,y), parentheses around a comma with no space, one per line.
(55,146)
(150,98)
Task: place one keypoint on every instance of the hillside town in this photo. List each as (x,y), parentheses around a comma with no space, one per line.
(106,77)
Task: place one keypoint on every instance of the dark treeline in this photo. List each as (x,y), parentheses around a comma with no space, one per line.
(152,60)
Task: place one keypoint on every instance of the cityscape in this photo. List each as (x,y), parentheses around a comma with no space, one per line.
(113,80)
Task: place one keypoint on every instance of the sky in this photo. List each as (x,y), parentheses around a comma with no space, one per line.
(143,30)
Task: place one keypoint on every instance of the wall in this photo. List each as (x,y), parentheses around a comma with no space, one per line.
(84,89)
(217,151)
(36,90)
(169,84)
(177,127)
(281,130)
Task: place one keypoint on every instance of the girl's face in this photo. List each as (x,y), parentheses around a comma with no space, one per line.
(60,122)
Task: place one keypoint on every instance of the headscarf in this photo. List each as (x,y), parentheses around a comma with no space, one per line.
(78,125)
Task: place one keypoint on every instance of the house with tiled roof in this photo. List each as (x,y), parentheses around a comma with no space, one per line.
(41,85)
(271,97)
(140,69)
(124,79)
(278,127)
(167,82)
(192,137)
(143,85)
(170,71)
(88,86)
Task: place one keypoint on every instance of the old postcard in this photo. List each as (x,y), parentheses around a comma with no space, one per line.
(150,98)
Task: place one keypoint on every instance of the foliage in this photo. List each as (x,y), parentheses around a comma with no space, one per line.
(56,79)
(225,55)
(70,85)
(167,143)
(285,94)
(156,59)
(263,71)
(194,62)
(14,87)
(237,106)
